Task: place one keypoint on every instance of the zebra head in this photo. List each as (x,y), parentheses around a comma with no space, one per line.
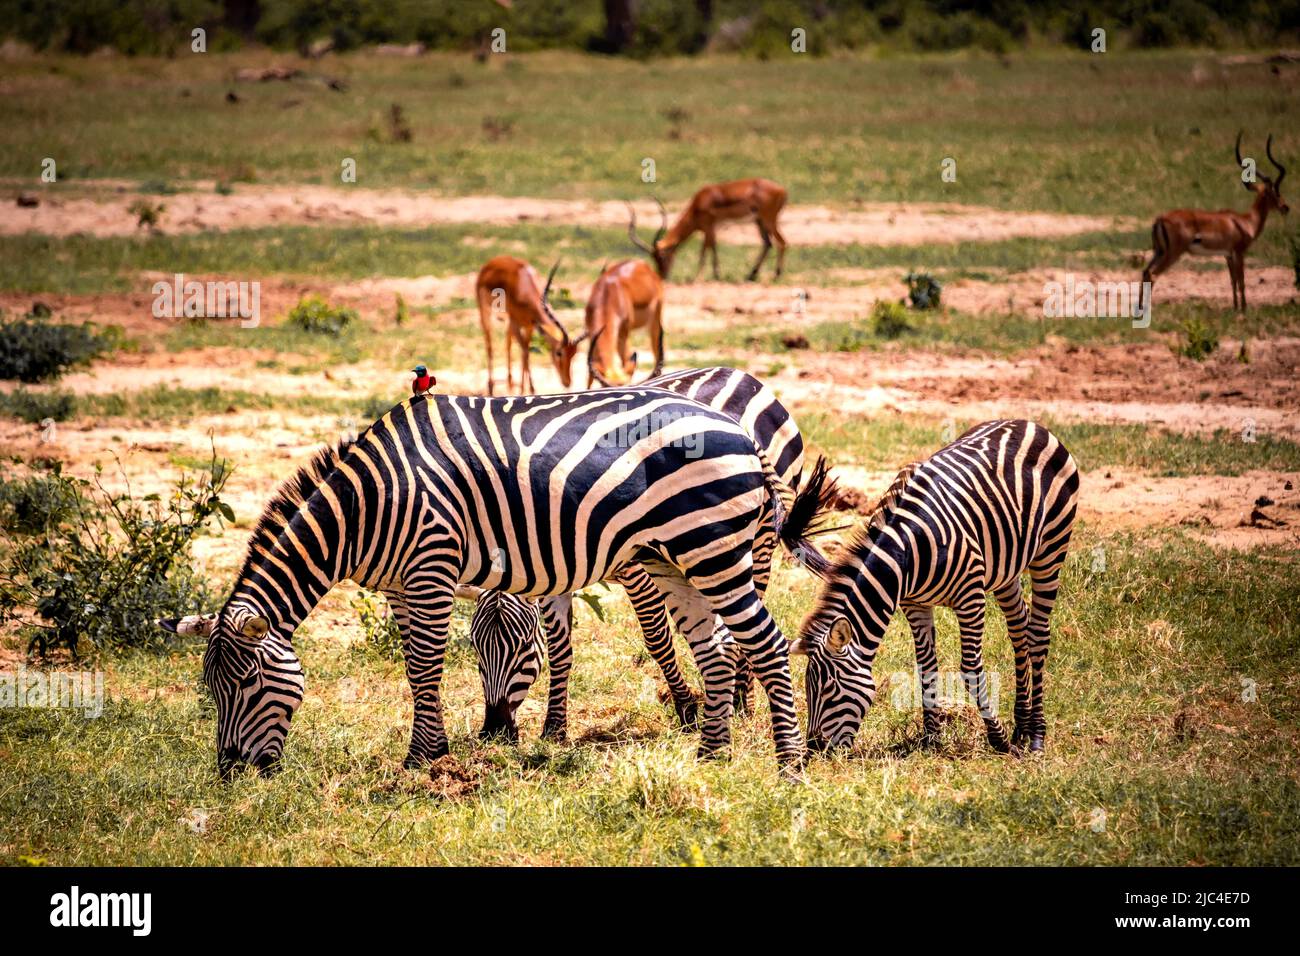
(838,682)
(506,633)
(257,682)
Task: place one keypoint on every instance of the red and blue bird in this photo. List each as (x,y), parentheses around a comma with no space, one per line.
(423,380)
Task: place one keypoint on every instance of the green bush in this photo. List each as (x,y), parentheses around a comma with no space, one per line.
(889,319)
(924,291)
(1201,341)
(36,407)
(85,565)
(33,349)
(315,315)
(36,504)
(382,638)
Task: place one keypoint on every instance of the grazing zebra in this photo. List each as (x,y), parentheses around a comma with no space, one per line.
(510,659)
(535,496)
(996,502)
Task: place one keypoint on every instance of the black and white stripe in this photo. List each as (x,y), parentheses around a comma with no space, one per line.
(998,501)
(536,496)
(504,658)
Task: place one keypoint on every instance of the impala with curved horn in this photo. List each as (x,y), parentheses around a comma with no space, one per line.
(628,296)
(1224,232)
(759,199)
(511,289)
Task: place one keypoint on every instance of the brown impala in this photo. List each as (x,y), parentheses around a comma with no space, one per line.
(511,288)
(627,296)
(757,199)
(1226,232)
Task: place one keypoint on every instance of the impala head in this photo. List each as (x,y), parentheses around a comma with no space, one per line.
(1269,187)
(837,682)
(506,634)
(659,249)
(561,347)
(254,677)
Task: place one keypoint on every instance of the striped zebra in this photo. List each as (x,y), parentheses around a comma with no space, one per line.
(535,496)
(508,648)
(972,518)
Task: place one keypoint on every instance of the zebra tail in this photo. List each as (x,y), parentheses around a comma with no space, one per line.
(799,515)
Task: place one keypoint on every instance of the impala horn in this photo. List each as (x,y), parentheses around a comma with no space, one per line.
(1237,149)
(1281,170)
(631,234)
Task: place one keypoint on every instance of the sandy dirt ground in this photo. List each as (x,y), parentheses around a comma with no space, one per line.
(256,206)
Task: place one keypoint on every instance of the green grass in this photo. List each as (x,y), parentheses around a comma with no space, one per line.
(1121,133)
(1146,723)
(886,442)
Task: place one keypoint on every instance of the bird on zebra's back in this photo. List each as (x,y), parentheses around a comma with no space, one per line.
(533,495)
(423,380)
(998,501)
(505,640)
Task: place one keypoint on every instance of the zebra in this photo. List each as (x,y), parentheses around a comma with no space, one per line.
(997,501)
(509,654)
(533,495)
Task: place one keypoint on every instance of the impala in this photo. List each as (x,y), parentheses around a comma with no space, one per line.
(1224,232)
(757,199)
(628,296)
(511,289)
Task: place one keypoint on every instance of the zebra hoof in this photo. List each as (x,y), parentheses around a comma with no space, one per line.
(711,753)
(688,712)
(420,761)
(557,733)
(998,741)
(930,740)
(1036,744)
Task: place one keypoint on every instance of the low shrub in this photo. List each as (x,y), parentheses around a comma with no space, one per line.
(313,314)
(889,319)
(381,637)
(88,566)
(34,349)
(1200,343)
(924,291)
(36,407)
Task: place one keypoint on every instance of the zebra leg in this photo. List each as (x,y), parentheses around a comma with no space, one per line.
(653,619)
(693,616)
(921,620)
(423,612)
(557,623)
(1044,584)
(1012,602)
(764,549)
(970,619)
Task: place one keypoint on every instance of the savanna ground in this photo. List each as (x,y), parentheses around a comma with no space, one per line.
(1172,694)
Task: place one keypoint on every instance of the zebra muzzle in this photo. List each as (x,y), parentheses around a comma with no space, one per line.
(499,721)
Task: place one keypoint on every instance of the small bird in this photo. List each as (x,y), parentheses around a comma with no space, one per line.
(423,380)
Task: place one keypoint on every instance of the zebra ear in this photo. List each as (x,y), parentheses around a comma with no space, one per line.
(840,637)
(255,628)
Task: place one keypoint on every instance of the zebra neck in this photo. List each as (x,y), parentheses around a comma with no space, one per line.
(876,587)
(286,578)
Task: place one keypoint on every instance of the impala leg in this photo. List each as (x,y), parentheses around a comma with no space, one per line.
(704,250)
(485,320)
(767,245)
(657,338)
(510,362)
(713,251)
(780,249)
(525,368)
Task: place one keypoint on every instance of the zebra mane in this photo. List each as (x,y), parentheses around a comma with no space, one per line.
(290,495)
(863,537)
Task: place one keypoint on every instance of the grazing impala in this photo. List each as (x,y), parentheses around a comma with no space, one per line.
(757,199)
(1225,232)
(627,296)
(512,289)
